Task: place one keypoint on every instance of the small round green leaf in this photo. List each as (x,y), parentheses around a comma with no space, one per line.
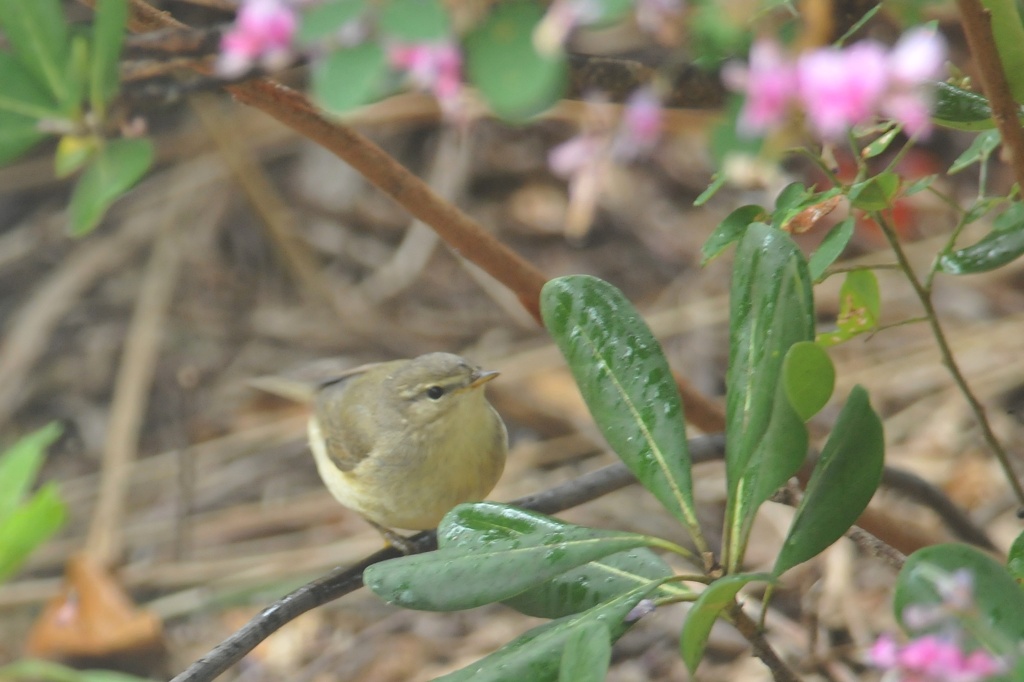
(961,109)
(994,250)
(322,21)
(999,601)
(808,377)
(877,193)
(351,77)
(415,21)
(503,64)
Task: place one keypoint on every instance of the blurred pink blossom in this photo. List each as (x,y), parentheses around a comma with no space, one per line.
(770,84)
(262,34)
(839,88)
(933,659)
(640,127)
(433,67)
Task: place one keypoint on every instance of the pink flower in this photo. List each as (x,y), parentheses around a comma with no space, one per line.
(434,67)
(770,84)
(262,33)
(933,659)
(641,125)
(842,88)
(915,63)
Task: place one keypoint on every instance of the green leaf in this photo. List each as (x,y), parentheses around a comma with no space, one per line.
(877,193)
(502,63)
(961,109)
(73,152)
(1004,244)
(1015,563)
(537,654)
(473,525)
(322,21)
(415,21)
(21,94)
(39,34)
(107,38)
(843,482)
(627,384)
(979,151)
(36,670)
(116,167)
(730,230)
(456,578)
(718,181)
(808,377)
(18,134)
(859,307)
(831,248)
(771,308)
(881,143)
(350,77)
(20,464)
(587,654)
(997,620)
(27,527)
(919,185)
(792,196)
(1008,31)
(719,596)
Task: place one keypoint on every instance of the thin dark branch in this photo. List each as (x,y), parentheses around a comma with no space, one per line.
(343,580)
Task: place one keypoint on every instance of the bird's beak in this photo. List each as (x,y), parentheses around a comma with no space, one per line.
(481,377)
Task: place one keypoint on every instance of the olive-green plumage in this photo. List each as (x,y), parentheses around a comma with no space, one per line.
(403,442)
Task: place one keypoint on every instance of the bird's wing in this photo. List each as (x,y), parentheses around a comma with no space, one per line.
(349,435)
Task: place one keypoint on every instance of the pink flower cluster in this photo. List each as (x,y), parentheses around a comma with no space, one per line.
(839,88)
(933,659)
(433,67)
(262,35)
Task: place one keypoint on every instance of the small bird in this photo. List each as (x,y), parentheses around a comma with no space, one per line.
(403,442)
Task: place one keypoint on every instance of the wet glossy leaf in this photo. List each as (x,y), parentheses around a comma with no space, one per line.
(20,464)
(587,654)
(719,596)
(994,250)
(627,384)
(843,482)
(415,21)
(808,377)
(730,230)
(831,248)
(113,171)
(323,21)
(877,193)
(28,526)
(465,576)
(961,109)
(979,151)
(471,525)
(107,38)
(503,64)
(771,308)
(859,307)
(350,77)
(39,34)
(999,601)
(537,654)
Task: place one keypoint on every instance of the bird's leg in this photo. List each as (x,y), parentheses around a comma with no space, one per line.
(399,542)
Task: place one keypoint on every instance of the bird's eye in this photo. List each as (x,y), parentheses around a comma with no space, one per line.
(435,392)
